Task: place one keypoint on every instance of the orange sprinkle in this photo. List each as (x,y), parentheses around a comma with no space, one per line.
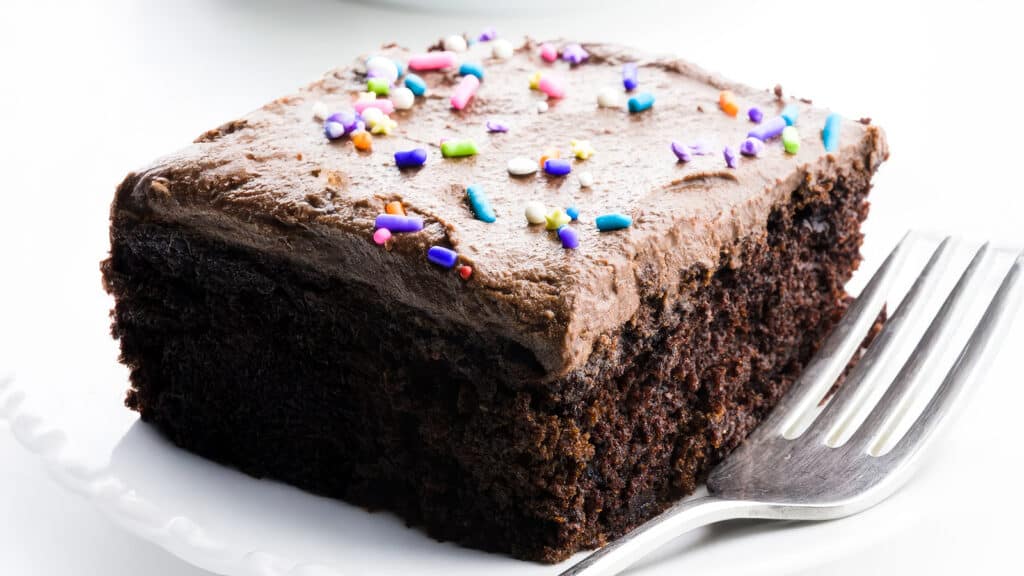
(362,140)
(465,272)
(394,207)
(727,102)
(549,154)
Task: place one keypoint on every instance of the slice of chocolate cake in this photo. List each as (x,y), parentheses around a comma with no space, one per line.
(530,388)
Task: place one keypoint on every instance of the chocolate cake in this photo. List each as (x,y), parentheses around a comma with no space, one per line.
(512,393)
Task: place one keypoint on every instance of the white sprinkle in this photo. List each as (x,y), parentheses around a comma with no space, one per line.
(542,106)
(586,179)
(382,67)
(372,116)
(402,98)
(320,110)
(535,212)
(334,130)
(502,49)
(521,166)
(455,43)
(609,97)
(366,97)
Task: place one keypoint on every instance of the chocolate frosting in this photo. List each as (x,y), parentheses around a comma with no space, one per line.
(272,182)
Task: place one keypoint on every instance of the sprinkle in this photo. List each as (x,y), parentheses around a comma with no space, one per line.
(727,102)
(382,67)
(410,158)
(701,148)
(496,126)
(455,43)
(535,212)
(480,203)
(458,148)
(614,221)
(502,49)
(548,52)
(753,147)
(682,151)
(609,97)
(573,212)
(830,133)
(542,107)
(770,128)
(465,272)
(570,239)
(557,167)
(551,86)
(382,235)
(362,140)
(372,115)
(400,68)
(641,102)
(384,126)
(629,76)
(432,61)
(730,156)
(442,256)
(399,224)
(521,166)
(366,97)
(403,98)
(535,81)
(586,179)
(548,154)
(416,84)
(755,115)
(790,114)
(574,54)
(474,68)
(320,110)
(382,104)
(378,86)
(581,149)
(394,207)
(791,140)
(488,34)
(334,130)
(556,219)
(464,91)
(346,118)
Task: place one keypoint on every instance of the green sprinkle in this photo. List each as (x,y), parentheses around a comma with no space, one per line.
(458,148)
(791,139)
(378,86)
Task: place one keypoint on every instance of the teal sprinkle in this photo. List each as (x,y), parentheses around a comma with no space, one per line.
(607,222)
(830,133)
(790,114)
(481,204)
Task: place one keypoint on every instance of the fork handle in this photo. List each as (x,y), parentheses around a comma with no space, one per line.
(655,533)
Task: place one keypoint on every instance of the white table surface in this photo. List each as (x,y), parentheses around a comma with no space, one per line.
(92,90)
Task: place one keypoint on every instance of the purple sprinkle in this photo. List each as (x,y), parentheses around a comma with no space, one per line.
(496,126)
(629,76)
(683,152)
(398,223)
(488,34)
(442,256)
(730,156)
(410,158)
(570,239)
(333,130)
(557,167)
(347,118)
(751,147)
(700,148)
(755,115)
(771,128)
(574,53)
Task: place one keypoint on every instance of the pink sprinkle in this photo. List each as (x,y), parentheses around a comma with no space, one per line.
(432,61)
(382,104)
(551,86)
(547,52)
(382,235)
(464,91)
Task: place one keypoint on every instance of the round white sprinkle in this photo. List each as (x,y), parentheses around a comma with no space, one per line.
(382,67)
(402,98)
(535,212)
(586,179)
(455,43)
(502,49)
(521,166)
(609,97)
(372,116)
(320,110)
(542,106)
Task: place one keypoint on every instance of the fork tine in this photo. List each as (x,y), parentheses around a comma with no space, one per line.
(976,353)
(878,355)
(927,348)
(835,353)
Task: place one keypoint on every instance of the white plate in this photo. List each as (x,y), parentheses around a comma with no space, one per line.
(70,414)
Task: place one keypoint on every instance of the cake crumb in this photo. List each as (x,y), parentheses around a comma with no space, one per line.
(865,121)
(778,91)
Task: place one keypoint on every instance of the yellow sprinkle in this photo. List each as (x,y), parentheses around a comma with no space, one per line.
(384,126)
(535,81)
(556,219)
(581,149)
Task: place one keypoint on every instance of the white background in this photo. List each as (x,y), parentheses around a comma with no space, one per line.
(92,90)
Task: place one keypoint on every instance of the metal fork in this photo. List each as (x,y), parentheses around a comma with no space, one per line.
(785,473)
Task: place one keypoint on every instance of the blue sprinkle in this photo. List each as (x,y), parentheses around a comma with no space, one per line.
(830,133)
(416,84)
(400,67)
(641,102)
(573,212)
(569,237)
(629,76)
(442,256)
(480,203)
(557,167)
(410,158)
(770,128)
(755,115)
(606,222)
(398,223)
(790,114)
(473,68)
